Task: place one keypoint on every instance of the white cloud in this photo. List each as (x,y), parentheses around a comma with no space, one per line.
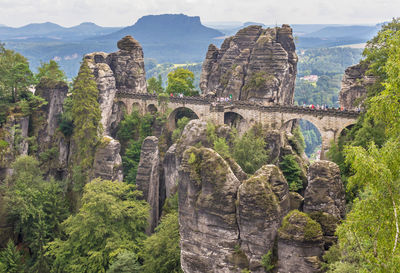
(126,12)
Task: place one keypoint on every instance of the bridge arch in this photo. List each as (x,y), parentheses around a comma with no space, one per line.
(152,109)
(179,113)
(344,128)
(313,135)
(235,120)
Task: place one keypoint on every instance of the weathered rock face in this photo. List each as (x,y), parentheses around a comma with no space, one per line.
(207,214)
(121,71)
(45,123)
(299,244)
(147,179)
(107,161)
(325,192)
(263,201)
(354,86)
(324,198)
(256,64)
(171,171)
(54,93)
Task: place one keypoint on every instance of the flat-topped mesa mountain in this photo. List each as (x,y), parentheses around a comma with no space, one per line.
(256,64)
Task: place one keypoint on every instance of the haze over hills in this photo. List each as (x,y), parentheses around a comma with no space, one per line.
(167,38)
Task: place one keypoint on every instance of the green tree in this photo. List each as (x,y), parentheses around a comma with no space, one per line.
(249,152)
(15,75)
(131,132)
(50,71)
(161,251)
(155,85)
(182,122)
(126,262)
(371,230)
(86,116)
(36,208)
(180,81)
(110,221)
(11,259)
(292,172)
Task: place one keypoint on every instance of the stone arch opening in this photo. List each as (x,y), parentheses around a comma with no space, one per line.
(152,109)
(312,136)
(119,111)
(136,107)
(344,132)
(235,120)
(179,113)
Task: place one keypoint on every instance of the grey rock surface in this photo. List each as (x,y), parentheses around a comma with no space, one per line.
(147,178)
(263,202)
(107,161)
(207,214)
(121,71)
(354,86)
(256,64)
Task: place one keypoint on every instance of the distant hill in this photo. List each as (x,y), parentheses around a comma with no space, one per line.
(167,38)
(50,31)
(174,38)
(337,35)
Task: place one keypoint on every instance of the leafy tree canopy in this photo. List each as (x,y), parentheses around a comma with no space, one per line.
(180,81)
(111,221)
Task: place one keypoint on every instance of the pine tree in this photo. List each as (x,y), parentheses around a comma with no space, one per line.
(86,116)
(11,259)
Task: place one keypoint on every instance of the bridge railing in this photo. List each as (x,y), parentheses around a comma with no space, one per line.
(244,105)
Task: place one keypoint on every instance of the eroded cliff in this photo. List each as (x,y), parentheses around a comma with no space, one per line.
(256,64)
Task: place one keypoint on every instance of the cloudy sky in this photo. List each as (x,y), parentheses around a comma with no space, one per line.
(126,12)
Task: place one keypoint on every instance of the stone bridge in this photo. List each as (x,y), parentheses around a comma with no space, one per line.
(243,114)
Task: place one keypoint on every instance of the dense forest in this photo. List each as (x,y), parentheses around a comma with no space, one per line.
(75,223)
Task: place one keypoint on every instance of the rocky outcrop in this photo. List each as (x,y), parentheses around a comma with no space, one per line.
(171,171)
(256,64)
(121,71)
(324,198)
(354,86)
(52,146)
(325,192)
(207,214)
(147,178)
(263,202)
(107,161)
(299,244)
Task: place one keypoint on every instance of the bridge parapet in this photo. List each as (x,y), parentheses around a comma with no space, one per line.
(245,105)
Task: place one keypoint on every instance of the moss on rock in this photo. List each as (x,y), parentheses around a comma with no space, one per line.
(298,226)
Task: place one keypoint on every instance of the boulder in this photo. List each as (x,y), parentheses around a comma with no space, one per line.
(263,201)
(147,178)
(299,244)
(107,161)
(256,64)
(207,214)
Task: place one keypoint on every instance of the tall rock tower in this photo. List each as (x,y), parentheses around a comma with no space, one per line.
(121,71)
(256,64)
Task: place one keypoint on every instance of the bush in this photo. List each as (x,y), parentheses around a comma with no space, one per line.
(292,172)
